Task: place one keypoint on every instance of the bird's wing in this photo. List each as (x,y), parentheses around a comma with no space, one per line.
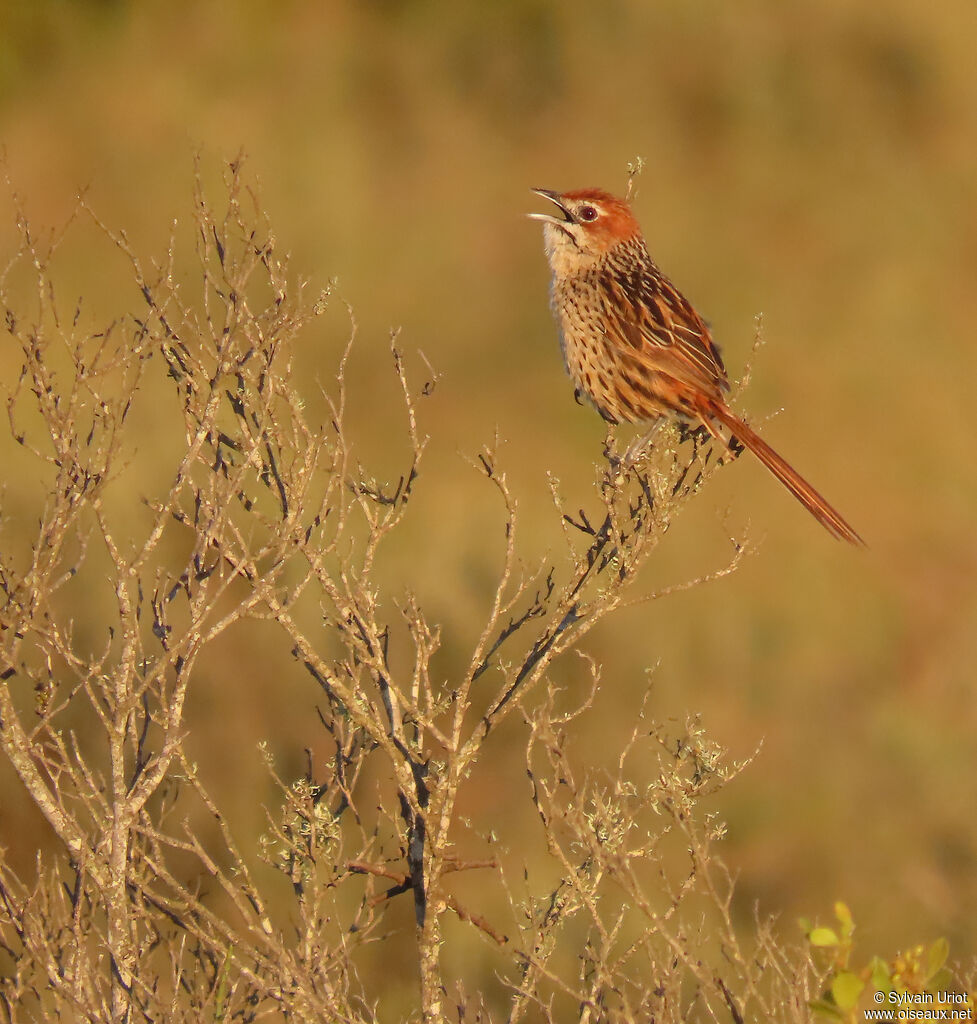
(652,320)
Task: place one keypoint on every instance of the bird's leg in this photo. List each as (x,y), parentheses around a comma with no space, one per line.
(639,444)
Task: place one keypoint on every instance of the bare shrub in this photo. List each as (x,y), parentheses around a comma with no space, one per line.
(266,516)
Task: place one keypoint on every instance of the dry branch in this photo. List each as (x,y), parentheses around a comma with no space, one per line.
(149,905)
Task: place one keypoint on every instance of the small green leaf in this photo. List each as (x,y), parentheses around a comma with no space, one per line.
(822,937)
(936,958)
(827,1009)
(844,919)
(846,989)
(881,978)
(942,981)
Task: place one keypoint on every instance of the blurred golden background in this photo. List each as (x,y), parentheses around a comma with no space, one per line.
(813,162)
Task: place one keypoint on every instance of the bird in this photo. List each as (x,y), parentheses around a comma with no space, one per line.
(634,346)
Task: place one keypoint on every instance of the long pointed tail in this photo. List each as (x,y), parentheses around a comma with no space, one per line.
(829,517)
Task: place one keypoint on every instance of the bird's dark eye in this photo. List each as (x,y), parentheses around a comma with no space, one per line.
(587,213)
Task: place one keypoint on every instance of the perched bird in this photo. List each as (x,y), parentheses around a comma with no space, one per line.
(633,344)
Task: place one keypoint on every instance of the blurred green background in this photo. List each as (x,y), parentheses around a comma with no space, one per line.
(815,162)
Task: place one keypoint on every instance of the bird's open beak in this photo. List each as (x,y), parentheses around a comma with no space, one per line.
(553,197)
